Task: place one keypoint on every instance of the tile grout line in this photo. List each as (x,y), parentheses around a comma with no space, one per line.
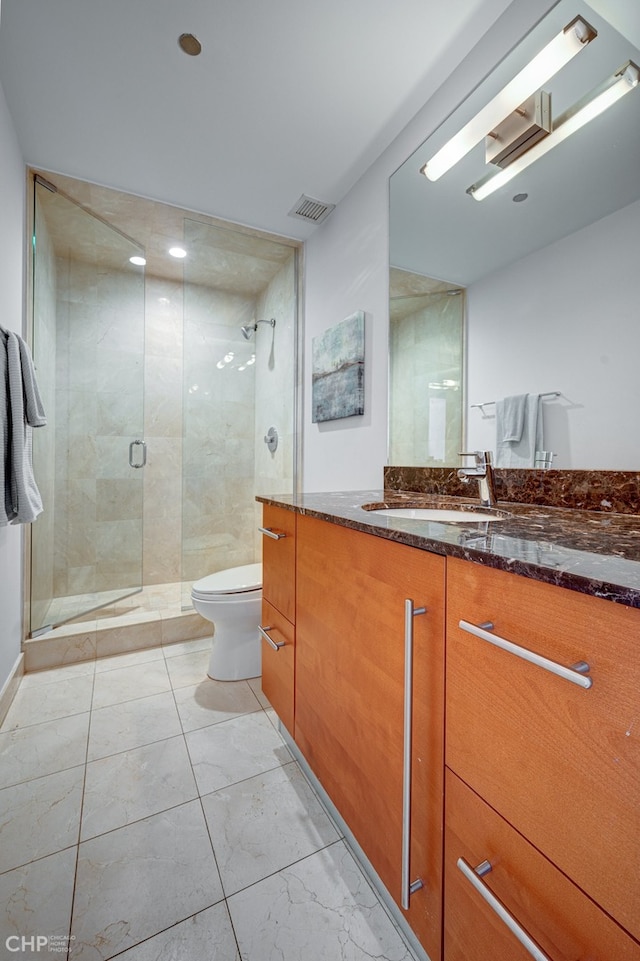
(84,784)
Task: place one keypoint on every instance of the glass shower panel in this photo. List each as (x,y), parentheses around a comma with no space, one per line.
(88,343)
(426,335)
(235,389)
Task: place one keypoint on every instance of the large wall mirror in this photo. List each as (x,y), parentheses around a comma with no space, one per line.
(533,286)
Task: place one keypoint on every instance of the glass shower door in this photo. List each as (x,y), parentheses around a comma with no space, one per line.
(88,348)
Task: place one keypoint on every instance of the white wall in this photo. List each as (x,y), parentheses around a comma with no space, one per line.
(565,318)
(346,269)
(12,205)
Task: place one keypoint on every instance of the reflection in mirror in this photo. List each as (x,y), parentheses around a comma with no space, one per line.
(549,260)
(425,370)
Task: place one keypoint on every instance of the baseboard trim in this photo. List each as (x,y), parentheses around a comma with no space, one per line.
(388,903)
(10,687)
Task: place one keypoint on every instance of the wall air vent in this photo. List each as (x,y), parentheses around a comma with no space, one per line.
(314,211)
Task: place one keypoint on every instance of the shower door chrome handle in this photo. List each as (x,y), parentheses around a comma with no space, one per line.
(137,443)
(408,887)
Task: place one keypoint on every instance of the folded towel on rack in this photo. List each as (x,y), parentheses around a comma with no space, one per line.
(522,452)
(20,411)
(510,414)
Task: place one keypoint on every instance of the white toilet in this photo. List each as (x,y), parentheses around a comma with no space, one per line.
(232,601)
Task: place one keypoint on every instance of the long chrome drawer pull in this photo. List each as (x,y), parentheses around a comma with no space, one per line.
(272,534)
(475,877)
(276,645)
(577,673)
(408,888)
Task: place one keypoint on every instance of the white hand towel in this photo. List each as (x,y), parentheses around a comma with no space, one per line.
(521,453)
(510,414)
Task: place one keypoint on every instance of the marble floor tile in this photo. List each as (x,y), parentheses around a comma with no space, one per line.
(207,936)
(233,750)
(56,674)
(137,783)
(177,648)
(36,900)
(187,670)
(321,907)
(255,683)
(30,752)
(211,702)
(263,824)
(128,683)
(33,705)
(39,817)
(128,660)
(135,882)
(121,727)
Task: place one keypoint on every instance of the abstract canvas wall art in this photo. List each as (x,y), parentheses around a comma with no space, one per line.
(338,370)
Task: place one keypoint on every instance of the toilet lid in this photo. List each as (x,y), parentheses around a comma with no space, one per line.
(232,581)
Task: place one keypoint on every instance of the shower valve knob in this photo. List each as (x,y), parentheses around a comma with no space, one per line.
(271,439)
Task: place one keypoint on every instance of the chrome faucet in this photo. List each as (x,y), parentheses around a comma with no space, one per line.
(483,472)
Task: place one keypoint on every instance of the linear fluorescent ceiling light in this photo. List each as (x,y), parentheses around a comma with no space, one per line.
(559,51)
(600,99)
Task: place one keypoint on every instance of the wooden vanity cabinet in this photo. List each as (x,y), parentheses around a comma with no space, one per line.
(559,762)
(542,902)
(278,610)
(352,590)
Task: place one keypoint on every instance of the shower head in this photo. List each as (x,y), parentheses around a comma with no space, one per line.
(249,329)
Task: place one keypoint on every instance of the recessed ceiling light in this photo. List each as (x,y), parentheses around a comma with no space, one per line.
(189,44)
(138,261)
(179,252)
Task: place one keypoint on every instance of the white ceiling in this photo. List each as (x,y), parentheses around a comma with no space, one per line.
(288,96)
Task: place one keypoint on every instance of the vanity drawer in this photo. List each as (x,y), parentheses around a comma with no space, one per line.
(279,559)
(561,763)
(278,663)
(564,923)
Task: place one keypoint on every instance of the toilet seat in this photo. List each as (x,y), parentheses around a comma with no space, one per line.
(235,580)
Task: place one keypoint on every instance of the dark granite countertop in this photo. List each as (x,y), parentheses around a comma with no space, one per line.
(588,551)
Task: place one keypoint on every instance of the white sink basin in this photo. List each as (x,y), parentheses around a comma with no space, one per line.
(443,514)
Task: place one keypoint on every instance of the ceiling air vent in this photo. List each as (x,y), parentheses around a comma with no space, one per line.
(306,208)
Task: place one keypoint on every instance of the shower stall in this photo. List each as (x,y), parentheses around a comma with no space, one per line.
(158,403)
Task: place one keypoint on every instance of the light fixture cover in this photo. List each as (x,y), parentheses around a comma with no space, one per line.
(623,81)
(558,52)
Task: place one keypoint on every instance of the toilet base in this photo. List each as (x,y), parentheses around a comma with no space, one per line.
(246,661)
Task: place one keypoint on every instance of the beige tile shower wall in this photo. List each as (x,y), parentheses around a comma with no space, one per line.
(425,349)
(275,383)
(219,403)
(100,352)
(44,350)
(164,303)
